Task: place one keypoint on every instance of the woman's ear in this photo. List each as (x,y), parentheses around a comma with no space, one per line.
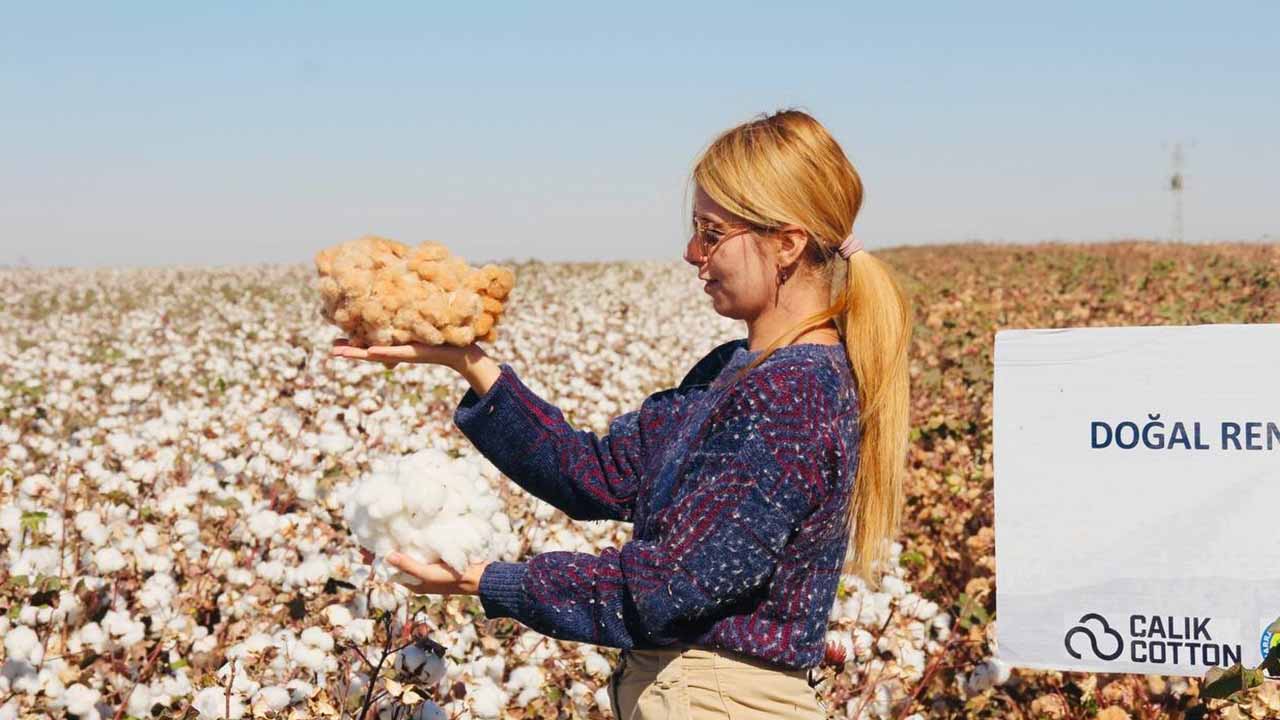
(792,241)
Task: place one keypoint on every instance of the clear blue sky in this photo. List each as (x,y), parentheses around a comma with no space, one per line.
(214,133)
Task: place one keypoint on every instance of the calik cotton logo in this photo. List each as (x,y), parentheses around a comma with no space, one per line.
(1152,639)
(1092,628)
(1270,638)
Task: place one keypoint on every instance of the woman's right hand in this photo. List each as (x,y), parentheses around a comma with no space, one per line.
(392,355)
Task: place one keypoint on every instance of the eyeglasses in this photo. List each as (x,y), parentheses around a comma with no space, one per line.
(707,236)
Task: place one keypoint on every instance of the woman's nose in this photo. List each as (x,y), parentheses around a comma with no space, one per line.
(689,257)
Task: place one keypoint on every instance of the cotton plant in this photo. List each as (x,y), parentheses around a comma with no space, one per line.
(219,479)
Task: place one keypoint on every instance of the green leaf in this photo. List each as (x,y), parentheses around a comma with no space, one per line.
(1222,683)
(912,558)
(33,520)
(969,612)
(179,663)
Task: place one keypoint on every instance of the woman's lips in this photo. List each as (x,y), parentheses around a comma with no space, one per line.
(709,284)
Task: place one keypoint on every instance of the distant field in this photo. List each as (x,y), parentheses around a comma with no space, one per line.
(170,440)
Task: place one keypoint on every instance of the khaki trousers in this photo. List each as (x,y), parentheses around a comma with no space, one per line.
(688,683)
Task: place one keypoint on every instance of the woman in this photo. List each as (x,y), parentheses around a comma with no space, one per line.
(745,483)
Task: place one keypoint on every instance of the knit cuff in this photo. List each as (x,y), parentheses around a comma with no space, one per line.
(501,589)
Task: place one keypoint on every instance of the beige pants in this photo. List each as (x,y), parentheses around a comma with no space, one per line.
(687,683)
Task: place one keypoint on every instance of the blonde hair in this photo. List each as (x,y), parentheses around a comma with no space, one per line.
(785,168)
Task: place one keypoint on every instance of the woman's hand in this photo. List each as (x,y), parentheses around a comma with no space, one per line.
(471,361)
(435,578)
(392,355)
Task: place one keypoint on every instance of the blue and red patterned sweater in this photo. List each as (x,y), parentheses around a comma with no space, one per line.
(738,497)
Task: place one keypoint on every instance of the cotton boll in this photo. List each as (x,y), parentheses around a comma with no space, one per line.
(21,643)
(428,710)
(140,701)
(893,585)
(89,635)
(337,615)
(318,639)
(487,700)
(603,702)
(358,631)
(490,666)
(108,560)
(264,523)
(79,700)
(271,699)
(211,703)
(300,690)
(595,664)
(417,662)
(527,681)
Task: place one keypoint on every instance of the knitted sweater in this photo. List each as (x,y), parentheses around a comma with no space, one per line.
(738,498)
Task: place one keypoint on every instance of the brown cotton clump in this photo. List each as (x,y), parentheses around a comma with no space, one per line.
(381,292)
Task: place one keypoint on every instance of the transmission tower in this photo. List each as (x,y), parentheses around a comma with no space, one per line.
(1176,186)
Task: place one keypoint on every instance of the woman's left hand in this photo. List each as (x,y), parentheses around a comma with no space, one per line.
(435,578)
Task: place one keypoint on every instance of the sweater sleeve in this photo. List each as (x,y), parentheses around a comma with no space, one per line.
(586,476)
(741,497)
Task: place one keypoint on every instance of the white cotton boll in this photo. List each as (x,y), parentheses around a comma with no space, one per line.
(317,638)
(337,615)
(271,698)
(21,643)
(527,680)
(140,701)
(79,700)
(242,577)
(490,666)
(941,626)
(264,523)
(926,610)
(211,703)
(911,658)
(487,700)
(92,636)
(602,701)
(581,696)
(96,536)
(893,585)
(334,440)
(271,571)
(309,657)
(108,560)
(35,615)
(462,643)
(428,710)
(300,690)
(358,631)
(382,598)
(862,644)
(122,629)
(257,642)
(595,664)
(420,664)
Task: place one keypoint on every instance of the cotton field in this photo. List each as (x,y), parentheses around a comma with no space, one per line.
(180,460)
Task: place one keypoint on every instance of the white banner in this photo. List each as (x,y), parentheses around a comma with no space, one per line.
(1137,490)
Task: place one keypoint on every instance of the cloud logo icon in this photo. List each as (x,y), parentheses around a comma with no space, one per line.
(1110,638)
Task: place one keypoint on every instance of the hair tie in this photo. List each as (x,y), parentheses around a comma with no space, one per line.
(850,246)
